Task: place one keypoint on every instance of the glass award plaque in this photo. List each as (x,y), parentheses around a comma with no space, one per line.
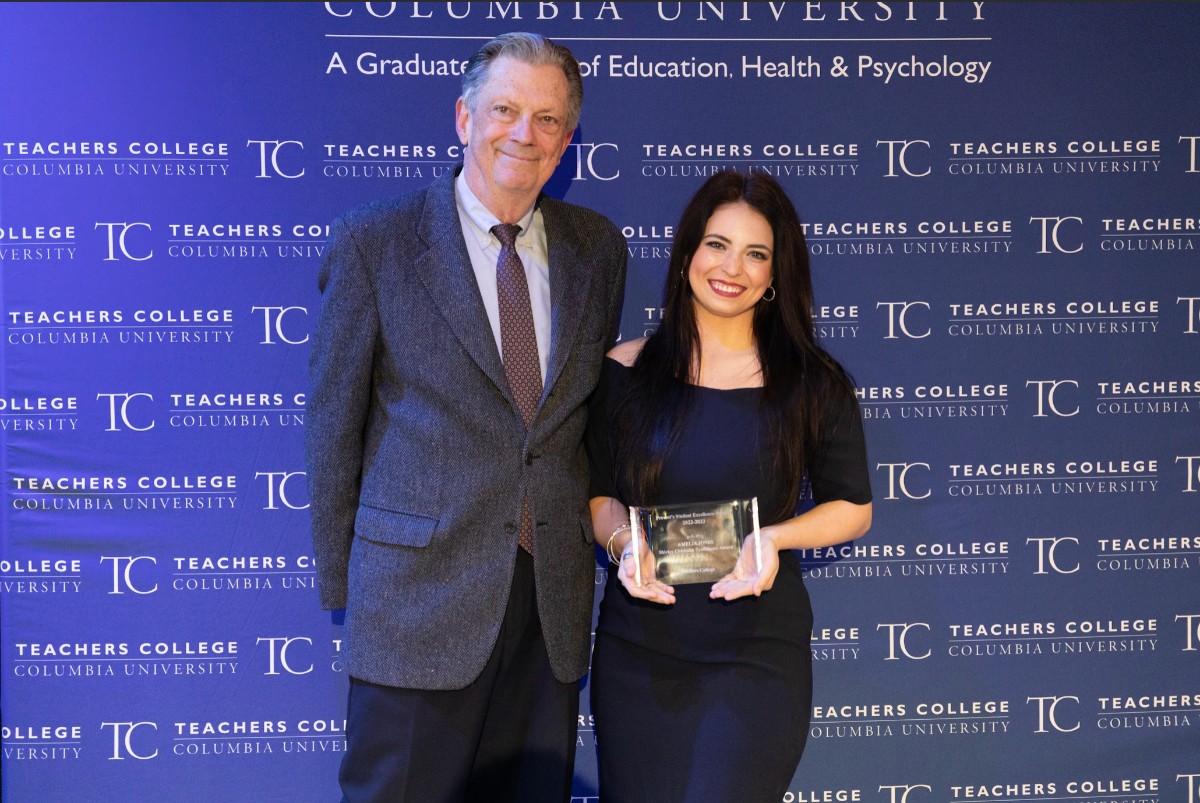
(696,543)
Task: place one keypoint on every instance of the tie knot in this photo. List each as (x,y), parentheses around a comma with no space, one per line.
(506,233)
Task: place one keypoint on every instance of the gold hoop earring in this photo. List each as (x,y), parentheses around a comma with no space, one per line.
(772,296)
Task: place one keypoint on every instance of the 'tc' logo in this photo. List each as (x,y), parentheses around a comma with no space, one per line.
(123,745)
(1192,628)
(1193,315)
(121,408)
(898,156)
(899,794)
(1050,226)
(1192,168)
(277,488)
(116,240)
(273,324)
(587,157)
(1193,786)
(898,318)
(278,648)
(1047,714)
(1193,471)
(1046,388)
(123,577)
(268,153)
(898,640)
(898,479)
(1046,548)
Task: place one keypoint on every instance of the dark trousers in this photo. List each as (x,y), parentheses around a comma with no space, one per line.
(508,736)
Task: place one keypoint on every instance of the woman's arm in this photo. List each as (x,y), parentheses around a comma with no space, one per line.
(826,524)
(610,521)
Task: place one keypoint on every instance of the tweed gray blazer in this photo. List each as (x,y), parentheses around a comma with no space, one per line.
(417,455)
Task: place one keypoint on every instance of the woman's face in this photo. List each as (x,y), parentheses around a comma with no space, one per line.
(732,266)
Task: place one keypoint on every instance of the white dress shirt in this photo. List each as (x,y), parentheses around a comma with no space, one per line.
(484,250)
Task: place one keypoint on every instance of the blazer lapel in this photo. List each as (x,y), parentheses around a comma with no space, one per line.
(571,277)
(445,270)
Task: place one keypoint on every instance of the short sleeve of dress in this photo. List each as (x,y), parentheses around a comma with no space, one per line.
(598,437)
(841,472)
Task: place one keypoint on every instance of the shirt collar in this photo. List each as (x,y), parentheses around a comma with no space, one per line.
(481,219)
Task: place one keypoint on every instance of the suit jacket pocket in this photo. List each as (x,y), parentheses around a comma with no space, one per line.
(585,525)
(394,527)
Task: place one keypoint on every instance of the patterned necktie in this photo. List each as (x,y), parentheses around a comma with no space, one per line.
(518,343)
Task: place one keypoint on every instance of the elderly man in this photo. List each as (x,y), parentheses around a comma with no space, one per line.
(461,331)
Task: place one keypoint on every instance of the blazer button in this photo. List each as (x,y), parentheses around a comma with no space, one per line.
(529,458)
(510,527)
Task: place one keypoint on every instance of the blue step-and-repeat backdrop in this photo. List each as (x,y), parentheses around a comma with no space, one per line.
(1002,203)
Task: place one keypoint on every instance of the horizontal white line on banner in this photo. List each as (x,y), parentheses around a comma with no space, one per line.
(229,736)
(899,719)
(1097,636)
(86,158)
(1122,712)
(1067,797)
(41,576)
(1065,156)
(264,241)
(1127,398)
(934,402)
(156,659)
(764,160)
(962,559)
(226,574)
(1071,318)
(392,161)
(1145,554)
(215,410)
(834,40)
(35,415)
(919,237)
(127,493)
(122,326)
(1035,477)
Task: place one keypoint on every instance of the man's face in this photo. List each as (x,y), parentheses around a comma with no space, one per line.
(516,132)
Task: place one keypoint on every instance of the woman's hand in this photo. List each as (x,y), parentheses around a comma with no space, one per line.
(651,588)
(746,578)
(611,516)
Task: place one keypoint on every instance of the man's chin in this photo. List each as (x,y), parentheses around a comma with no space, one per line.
(519,182)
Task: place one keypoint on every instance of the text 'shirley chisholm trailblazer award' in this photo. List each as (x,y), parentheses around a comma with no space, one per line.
(696,543)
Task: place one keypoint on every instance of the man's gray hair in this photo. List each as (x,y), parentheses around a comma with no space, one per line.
(529,48)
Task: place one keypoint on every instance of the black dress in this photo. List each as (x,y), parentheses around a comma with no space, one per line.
(708,700)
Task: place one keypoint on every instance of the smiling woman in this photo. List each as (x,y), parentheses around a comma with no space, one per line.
(732,398)
(731,270)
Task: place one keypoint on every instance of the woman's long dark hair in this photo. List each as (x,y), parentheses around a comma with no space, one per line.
(801,382)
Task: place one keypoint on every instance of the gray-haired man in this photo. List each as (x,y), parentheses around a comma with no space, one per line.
(462,329)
